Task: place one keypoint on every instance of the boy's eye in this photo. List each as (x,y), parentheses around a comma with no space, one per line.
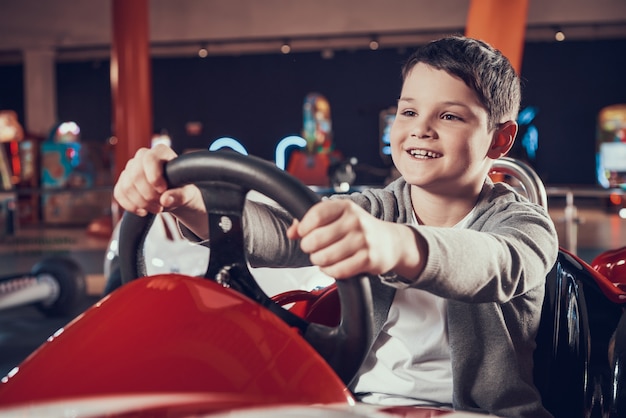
(449,116)
(408,113)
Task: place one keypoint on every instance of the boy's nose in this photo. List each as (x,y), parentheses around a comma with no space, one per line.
(422,129)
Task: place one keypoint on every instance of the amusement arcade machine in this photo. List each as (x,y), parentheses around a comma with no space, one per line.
(611,154)
(311,165)
(11,133)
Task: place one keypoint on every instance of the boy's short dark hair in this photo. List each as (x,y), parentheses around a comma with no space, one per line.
(483,68)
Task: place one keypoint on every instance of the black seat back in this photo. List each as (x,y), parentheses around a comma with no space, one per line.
(572,368)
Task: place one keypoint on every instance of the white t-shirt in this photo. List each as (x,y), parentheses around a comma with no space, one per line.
(409,363)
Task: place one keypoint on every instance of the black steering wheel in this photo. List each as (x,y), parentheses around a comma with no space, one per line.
(224,179)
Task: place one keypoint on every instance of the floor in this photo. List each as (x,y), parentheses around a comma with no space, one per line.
(23,328)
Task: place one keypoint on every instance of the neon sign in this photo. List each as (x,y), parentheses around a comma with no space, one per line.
(280,154)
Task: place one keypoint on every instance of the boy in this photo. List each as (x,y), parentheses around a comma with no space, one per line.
(465,259)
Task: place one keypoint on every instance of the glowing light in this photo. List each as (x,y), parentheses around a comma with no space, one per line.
(344,187)
(68,128)
(281,149)
(559,36)
(227,142)
(622,213)
(600,172)
(327,53)
(530,141)
(615,198)
(374,45)
(527,115)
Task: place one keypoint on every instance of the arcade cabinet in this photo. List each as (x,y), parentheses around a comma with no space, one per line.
(311,165)
(11,133)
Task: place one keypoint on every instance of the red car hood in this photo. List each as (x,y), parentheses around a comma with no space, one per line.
(181,405)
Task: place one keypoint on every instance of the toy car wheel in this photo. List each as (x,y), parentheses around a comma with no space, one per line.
(67,280)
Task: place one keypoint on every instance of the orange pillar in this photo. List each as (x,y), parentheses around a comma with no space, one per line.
(501,23)
(131,80)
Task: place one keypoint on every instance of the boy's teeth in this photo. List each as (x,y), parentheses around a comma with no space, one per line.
(424,153)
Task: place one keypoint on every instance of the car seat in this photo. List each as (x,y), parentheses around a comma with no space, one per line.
(580,344)
(580,326)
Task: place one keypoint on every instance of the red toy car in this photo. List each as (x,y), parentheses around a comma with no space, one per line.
(178,346)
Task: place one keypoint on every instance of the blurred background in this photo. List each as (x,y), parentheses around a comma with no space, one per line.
(217,70)
(267,78)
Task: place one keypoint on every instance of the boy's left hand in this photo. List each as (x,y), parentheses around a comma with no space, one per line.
(344,240)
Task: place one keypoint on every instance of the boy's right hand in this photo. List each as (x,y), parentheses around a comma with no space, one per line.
(344,240)
(141,187)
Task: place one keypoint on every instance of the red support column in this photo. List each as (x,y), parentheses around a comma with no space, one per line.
(131,79)
(501,23)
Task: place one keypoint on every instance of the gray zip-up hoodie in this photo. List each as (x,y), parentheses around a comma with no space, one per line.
(492,273)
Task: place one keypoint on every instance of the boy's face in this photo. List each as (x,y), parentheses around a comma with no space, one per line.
(440,138)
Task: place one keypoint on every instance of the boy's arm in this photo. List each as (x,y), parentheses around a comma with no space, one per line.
(266,243)
(265,229)
(511,254)
(515,249)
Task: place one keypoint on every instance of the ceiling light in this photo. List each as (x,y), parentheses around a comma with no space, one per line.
(374,43)
(559,36)
(203,52)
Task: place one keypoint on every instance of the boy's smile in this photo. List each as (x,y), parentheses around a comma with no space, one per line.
(422,153)
(440,138)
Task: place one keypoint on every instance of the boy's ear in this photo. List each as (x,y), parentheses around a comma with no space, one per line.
(503,139)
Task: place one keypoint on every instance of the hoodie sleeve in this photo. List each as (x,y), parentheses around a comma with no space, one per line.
(508,249)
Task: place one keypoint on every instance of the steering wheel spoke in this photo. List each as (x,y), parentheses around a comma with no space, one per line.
(224,206)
